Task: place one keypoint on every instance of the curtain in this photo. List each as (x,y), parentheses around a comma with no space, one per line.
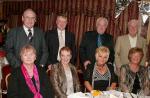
(81,14)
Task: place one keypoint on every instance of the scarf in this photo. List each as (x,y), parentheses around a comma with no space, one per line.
(29,81)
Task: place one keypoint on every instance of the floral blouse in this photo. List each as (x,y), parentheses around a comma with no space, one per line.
(127,78)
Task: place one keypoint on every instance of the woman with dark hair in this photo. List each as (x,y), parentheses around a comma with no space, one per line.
(29,81)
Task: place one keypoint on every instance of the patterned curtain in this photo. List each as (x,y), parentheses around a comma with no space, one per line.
(81,14)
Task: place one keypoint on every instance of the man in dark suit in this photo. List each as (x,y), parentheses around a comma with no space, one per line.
(26,34)
(93,39)
(58,38)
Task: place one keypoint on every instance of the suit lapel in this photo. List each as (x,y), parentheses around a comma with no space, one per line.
(138,42)
(127,42)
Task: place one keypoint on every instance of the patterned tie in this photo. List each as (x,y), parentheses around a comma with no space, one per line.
(99,41)
(30,35)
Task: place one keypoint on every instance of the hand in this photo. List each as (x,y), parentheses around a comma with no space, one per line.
(86,63)
(50,66)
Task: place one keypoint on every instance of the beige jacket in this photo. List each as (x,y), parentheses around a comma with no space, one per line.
(122,48)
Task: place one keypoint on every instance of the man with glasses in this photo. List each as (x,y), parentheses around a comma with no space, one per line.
(26,34)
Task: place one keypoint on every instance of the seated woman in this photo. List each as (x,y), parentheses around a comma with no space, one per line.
(63,75)
(100,76)
(29,81)
(133,76)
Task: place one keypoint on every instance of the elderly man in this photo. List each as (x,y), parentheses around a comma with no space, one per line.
(26,34)
(93,39)
(126,42)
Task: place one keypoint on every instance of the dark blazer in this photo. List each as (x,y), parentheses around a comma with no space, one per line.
(17,87)
(59,81)
(89,44)
(17,38)
(53,45)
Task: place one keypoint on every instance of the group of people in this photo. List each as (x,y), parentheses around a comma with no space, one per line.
(106,66)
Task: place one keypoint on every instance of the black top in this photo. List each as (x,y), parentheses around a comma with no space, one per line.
(89,73)
(17,87)
(136,85)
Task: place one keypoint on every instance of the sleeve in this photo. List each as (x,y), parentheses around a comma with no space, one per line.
(144,47)
(13,91)
(111,48)
(117,53)
(49,47)
(82,50)
(123,85)
(9,46)
(44,50)
(114,78)
(55,82)
(87,74)
(73,48)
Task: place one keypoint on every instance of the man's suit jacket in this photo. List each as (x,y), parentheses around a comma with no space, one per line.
(89,44)
(52,41)
(122,48)
(17,38)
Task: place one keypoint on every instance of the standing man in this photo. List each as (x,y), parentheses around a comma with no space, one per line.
(26,34)
(93,39)
(126,42)
(58,38)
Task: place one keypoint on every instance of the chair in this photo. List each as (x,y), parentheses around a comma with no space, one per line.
(6,70)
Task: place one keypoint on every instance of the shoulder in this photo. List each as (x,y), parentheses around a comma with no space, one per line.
(15,30)
(107,35)
(51,32)
(123,37)
(91,33)
(141,38)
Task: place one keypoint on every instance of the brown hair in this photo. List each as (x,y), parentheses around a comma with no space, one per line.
(135,50)
(27,48)
(65,49)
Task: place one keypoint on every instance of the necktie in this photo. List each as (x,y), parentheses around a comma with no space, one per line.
(99,41)
(30,35)
(61,43)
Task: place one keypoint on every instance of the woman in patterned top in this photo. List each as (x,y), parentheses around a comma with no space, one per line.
(100,76)
(133,76)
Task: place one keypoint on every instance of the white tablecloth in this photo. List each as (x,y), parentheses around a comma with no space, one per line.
(106,94)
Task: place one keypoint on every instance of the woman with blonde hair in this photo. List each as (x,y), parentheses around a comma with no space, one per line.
(100,76)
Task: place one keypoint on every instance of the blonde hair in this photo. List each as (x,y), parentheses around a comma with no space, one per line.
(101,50)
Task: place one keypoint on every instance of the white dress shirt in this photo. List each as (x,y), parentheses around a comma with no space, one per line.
(61,36)
(26,30)
(133,41)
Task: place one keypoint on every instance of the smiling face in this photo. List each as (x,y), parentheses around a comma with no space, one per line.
(133,28)
(135,55)
(65,57)
(136,58)
(101,58)
(28,55)
(102,55)
(101,25)
(29,18)
(61,22)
